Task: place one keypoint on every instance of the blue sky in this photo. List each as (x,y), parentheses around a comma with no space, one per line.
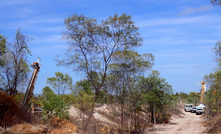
(180,34)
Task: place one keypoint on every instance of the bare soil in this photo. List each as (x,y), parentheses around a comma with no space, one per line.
(186,123)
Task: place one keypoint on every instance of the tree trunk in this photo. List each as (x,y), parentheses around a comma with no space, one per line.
(122,117)
(154,113)
(135,120)
(91,114)
(83,120)
(4,122)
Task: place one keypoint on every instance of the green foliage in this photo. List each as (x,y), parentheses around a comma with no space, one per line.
(131,61)
(68,98)
(83,85)
(102,97)
(60,82)
(84,101)
(54,105)
(156,92)
(2,49)
(212,97)
(183,95)
(93,44)
(193,98)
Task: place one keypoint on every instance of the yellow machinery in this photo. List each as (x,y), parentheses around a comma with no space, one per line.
(202,90)
(28,94)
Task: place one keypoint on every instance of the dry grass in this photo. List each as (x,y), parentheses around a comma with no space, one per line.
(214,124)
(63,127)
(26,129)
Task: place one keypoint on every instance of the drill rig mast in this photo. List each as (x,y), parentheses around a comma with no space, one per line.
(202,90)
(28,94)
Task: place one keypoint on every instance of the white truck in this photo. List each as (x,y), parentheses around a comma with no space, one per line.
(188,107)
(199,110)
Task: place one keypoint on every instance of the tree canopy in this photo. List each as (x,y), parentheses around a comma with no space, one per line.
(15,69)
(60,82)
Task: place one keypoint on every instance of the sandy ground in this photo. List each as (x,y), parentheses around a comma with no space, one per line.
(73,111)
(189,123)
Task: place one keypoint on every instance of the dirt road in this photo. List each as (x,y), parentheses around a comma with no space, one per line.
(189,123)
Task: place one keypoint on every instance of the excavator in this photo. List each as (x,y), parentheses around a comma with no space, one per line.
(28,94)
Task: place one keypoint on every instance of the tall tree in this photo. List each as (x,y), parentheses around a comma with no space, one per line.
(60,83)
(92,45)
(128,66)
(156,92)
(15,69)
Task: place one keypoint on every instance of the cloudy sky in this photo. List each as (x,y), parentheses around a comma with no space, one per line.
(180,34)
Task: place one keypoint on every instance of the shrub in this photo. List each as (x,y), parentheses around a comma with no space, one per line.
(8,109)
(54,105)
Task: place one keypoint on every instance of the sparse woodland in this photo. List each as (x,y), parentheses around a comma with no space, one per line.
(119,94)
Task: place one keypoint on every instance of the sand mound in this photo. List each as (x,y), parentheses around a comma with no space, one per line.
(106,109)
(100,117)
(73,111)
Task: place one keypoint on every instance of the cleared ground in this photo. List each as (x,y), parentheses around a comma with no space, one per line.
(188,123)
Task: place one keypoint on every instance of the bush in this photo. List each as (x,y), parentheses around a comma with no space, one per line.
(8,109)
(54,105)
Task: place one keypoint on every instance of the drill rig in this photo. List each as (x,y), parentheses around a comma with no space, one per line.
(202,90)
(28,94)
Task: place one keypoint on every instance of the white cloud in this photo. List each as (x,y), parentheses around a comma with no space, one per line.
(177,21)
(191,10)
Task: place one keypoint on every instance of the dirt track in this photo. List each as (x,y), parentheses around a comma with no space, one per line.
(189,123)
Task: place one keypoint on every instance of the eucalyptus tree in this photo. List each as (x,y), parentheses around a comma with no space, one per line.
(15,69)
(92,45)
(60,83)
(156,92)
(128,66)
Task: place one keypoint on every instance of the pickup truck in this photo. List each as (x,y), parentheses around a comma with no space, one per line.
(188,107)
